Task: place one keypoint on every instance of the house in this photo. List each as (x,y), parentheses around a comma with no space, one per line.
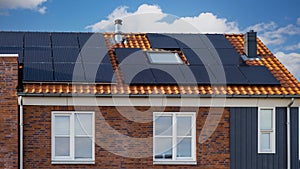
(145,100)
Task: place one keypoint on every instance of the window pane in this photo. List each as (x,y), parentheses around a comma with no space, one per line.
(62,146)
(184,147)
(62,125)
(265,142)
(266,119)
(163,125)
(83,147)
(184,125)
(83,124)
(163,148)
(164,58)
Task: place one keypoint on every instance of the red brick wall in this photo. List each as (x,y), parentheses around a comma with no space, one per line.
(8,112)
(213,153)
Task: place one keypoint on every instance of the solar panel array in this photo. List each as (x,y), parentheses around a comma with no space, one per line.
(212,60)
(59,57)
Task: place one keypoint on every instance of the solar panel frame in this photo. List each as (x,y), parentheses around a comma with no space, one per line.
(168,74)
(230,75)
(68,72)
(137,74)
(197,56)
(37,39)
(203,75)
(91,40)
(95,55)
(228,56)
(131,56)
(61,39)
(11,39)
(66,55)
(259,75)
(217,40)
(100,73)
(38,72)
(37,54)
(162,41)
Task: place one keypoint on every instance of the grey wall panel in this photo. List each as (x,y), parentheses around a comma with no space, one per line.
(294,138)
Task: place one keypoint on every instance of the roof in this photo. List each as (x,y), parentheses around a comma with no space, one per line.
(287,85)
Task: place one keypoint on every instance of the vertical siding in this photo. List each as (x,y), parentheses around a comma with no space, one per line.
(243,140)
(294,138)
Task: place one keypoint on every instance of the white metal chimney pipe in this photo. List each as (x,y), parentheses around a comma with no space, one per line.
(118,32)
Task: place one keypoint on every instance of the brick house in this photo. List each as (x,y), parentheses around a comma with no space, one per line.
(145,100)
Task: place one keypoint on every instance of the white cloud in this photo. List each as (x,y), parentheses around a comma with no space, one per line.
(271,34)
(291,61)
(293,47)
(151,18)
(24,4)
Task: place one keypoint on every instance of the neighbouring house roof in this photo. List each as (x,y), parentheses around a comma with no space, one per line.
(49,60)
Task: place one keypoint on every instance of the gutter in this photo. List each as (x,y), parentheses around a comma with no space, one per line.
(20,102)
(288,122)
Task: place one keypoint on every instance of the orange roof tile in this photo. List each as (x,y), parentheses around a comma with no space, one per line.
(289,84)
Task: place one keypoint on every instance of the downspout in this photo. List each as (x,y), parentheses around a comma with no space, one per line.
(288,121)
(20,100)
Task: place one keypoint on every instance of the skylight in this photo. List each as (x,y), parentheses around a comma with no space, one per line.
(164,58)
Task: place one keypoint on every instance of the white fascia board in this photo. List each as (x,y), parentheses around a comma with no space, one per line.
(156,101)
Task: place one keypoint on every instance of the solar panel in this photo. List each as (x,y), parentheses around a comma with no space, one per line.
(11,39)
(68,72)
(161,41)
(66,55)
(188,40)
(91,40)
(37,54)
(37,39)
(168,74)
(95,55)
(13,50)
(229,56)
(259,75)
(202,75)
(137,74)
(64,40)
(100,73)
(217,40)
(131,56)
(228,75)
(38,72)
(199,56)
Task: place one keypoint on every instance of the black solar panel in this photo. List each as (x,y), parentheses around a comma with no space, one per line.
(64,40)
(228,75)
(228,56)
(11,39)
(66,55)
(37,39)
(199,57)
(202,75)
(217,40)
(137,74)
(161,41)
(95,55)
(13,50)
(188,40)
(91,40)
(259,75)
(100,73)
(130,56)
(168,74)
(68,72)
(38,72)
(37,54)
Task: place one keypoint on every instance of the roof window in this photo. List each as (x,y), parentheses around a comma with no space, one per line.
(163,57)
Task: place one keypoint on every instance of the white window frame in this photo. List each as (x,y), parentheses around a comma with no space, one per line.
(176,160)
(176,57)
(71,159)
(272,132)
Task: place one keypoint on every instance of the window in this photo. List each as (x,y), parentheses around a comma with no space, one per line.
(266,130)
(174,138)
(72,137)
(164,57)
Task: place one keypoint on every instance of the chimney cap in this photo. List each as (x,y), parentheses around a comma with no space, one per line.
(118,21)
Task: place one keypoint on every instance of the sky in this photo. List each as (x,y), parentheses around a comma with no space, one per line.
(277,22)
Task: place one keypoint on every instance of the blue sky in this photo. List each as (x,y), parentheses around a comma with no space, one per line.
(277,22)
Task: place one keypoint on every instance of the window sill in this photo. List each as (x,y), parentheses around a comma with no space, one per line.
(73,162)
(178,162)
